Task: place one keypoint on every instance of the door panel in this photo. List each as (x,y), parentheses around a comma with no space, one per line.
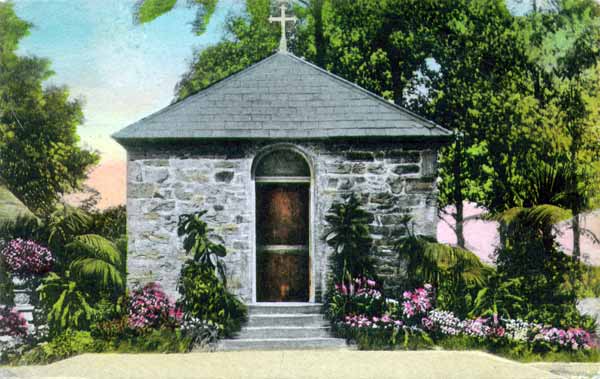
(282,238)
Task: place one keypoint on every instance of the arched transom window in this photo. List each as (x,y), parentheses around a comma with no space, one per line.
(282,166)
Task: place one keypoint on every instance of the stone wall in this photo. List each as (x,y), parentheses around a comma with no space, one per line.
(165,181)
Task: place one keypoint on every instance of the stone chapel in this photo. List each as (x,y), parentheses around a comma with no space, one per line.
(267,151)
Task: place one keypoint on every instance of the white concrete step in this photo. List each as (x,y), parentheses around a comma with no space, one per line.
(281,308)
(269,332)
(282,343)
(286,319)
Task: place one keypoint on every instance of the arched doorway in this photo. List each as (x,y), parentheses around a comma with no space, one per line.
(283,184)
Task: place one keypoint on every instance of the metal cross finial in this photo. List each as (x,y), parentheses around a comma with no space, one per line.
(282,19)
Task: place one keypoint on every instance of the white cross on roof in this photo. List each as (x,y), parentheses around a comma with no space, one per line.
(282,19)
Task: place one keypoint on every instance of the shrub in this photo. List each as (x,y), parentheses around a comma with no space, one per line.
(12,323)
(457,274)
(25,258)
(202,334)
(204,297)
(349,236)
(63,346)
(360,296)
(110,329)
(64,304)
(414,316)
(163,340)
(150,307)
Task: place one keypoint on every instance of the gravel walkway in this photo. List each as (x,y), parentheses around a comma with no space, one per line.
(327,364)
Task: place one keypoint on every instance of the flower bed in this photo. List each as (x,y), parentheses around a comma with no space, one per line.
(24,258)
(415,315)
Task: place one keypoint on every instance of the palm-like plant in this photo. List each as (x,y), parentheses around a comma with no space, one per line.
(428,261)
(67,306)
(456,273)
(96,259)
(349,236)
(95,265)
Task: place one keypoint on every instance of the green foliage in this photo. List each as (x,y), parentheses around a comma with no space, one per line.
(456,273)
(64,303)
(24,227)
(7,287)
(62,346)
(250,38)
(148,10)
(197,243)
(40,156)
(533,269)
(153,341)
(386,339)
(204,297)
(590,282)
(499,297)
(349,236)
(515,350)
(96,262)
(110,223)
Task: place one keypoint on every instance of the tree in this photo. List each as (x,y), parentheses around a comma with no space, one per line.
(40,159)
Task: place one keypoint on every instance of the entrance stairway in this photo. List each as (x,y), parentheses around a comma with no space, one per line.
(282,326)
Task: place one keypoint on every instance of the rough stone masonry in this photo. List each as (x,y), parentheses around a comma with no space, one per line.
(167,181)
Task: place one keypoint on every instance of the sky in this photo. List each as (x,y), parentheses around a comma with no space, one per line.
(122,71)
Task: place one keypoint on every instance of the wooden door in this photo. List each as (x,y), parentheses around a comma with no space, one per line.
(282,226)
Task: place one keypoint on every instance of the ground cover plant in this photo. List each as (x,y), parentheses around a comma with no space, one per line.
(414,322)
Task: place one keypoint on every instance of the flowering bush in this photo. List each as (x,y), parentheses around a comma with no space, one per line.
(360,296)
(418,302)
(26,258)
(517,330)
(12,323)
(573,338)
(150,307)
(442,321)
(362,321)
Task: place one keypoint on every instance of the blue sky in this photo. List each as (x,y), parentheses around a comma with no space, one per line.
(122,71)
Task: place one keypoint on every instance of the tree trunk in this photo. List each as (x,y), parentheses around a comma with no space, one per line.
(320,45)
(458,196)
(576,237)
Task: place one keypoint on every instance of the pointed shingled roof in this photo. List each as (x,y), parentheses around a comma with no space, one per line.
(281,97)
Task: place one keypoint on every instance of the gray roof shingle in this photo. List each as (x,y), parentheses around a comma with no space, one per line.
(281,97)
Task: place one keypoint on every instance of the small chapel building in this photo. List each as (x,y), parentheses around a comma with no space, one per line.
(266,152)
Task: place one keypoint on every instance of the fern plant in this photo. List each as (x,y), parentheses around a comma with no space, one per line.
(94,259)
(65,303)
